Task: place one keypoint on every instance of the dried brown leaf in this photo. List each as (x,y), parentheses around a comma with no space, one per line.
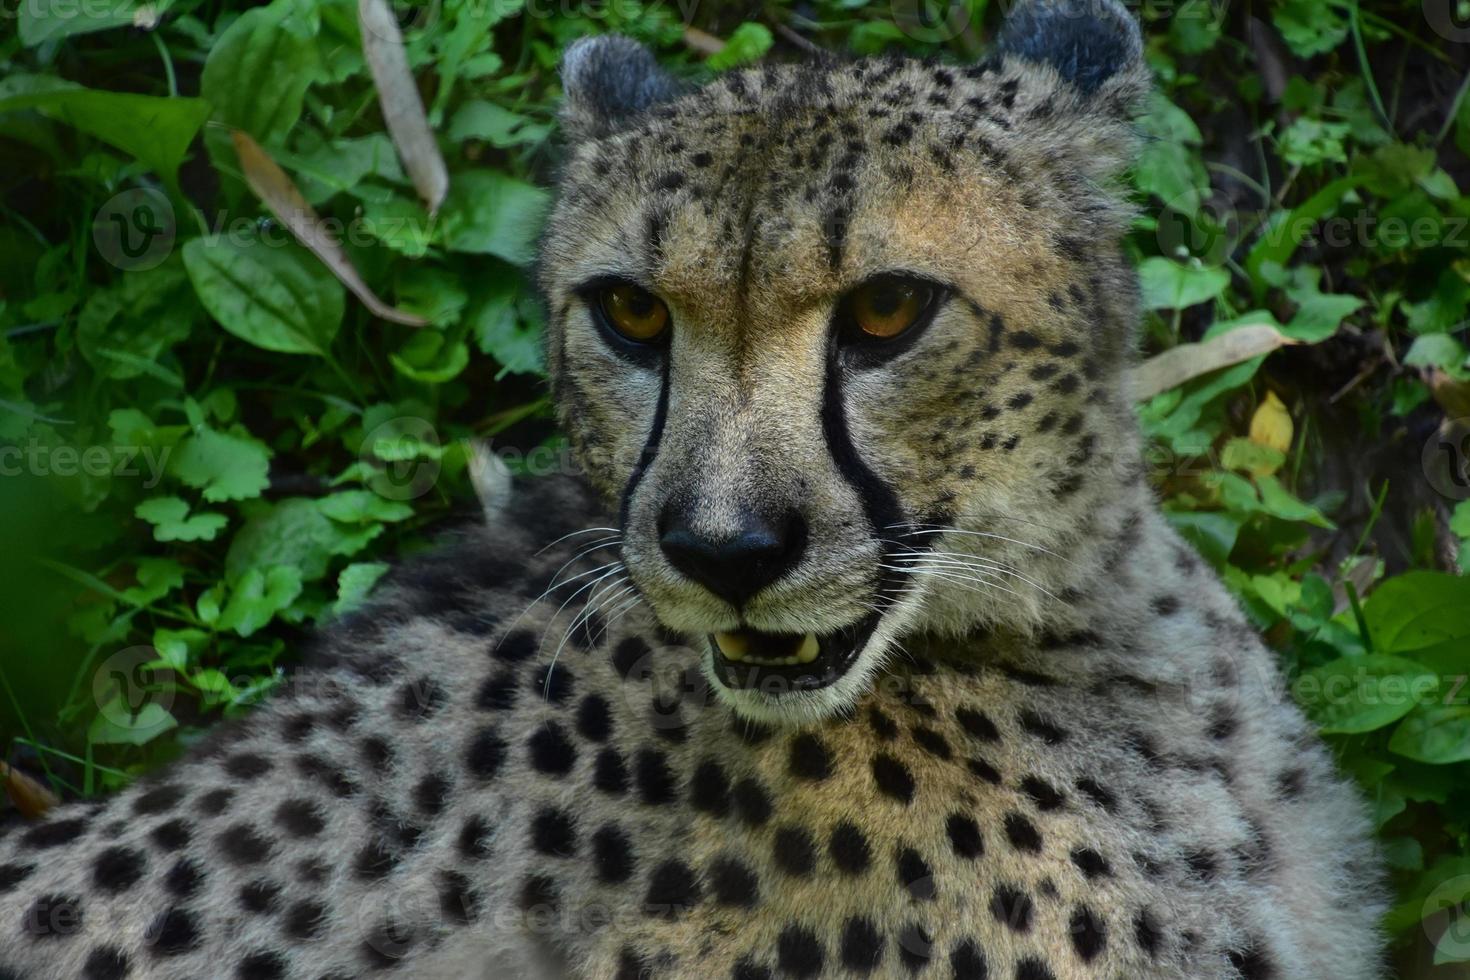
(31,799)
(279,193)
(1179,364)
(398,97)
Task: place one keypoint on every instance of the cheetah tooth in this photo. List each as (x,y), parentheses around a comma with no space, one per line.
(732,645)
(808,650)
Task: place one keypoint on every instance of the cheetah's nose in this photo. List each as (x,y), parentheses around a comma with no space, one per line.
(734,567)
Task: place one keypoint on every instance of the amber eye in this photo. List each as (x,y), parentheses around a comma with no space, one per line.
(885,307)
(636,314)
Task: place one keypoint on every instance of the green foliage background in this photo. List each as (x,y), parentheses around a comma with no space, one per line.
(260,445)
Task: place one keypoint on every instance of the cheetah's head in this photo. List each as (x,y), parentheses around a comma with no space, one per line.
(846,342)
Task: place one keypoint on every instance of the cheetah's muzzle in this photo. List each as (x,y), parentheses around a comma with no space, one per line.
(782,663)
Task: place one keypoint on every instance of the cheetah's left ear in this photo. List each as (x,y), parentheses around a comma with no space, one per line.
(1092,44)
(608,81)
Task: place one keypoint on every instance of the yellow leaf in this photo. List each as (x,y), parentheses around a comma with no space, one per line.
(1271,425)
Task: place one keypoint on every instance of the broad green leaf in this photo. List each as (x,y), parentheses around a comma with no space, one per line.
(293,532)
(257,74)
(143,313)
(175,647)
(1439,350)
(1418,609)
(506,324)
(1362,694)
(40,21)
(117,725)
(155,130)
(1434,733)
(1309,27)
(496,125)
(275,295)
(1277,501)
(430,357)
(172,521)
(223,465)
(257,596)
(1169,285)
(491,213)
(746,43)
(361,506)
(1308,141)
(1284,231)
(354,584)
(1211,532)
(157,577)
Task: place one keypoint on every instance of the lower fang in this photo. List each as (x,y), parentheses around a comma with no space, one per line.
(808,650)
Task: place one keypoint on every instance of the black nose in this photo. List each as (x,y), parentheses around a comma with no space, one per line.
(735,567)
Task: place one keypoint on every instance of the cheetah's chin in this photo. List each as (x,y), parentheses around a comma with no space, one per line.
(781,663)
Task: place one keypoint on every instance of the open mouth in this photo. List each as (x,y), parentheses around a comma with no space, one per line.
(781,663)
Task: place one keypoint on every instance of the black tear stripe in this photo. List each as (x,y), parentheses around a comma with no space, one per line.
(650,447)
(880,503)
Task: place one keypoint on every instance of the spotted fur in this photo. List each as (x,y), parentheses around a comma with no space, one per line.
(1080,764)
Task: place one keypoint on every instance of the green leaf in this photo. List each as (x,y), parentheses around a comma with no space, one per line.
(1212,533)
(273,295)
(144,313)
(175,647)
(157,577)
(1167,168)
(747,43)
(117,725)
(257,74)
(1169,285)
(1434,733)
(430,357)
(40,21)
(506,324)
(1439,350)
(354,584)
(496,125)
(1308,141)
(1362,694)
(1277,501)
(157,131)
(361,506)
(172,522)
(225,466)
(293,532)
(490,213)
(1418,609)
(257,596)
(1309,27)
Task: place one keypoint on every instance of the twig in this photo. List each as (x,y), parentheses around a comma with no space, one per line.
(703,41)
(806,44)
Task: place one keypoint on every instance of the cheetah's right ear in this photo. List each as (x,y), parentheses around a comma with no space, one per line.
(608,81)
(1089,43)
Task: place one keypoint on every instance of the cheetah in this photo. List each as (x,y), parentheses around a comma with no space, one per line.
(860,647)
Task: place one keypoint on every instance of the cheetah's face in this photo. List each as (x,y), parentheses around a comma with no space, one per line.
(806,319)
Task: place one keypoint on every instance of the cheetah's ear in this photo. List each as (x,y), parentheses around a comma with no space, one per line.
(608,81)
(1088,42)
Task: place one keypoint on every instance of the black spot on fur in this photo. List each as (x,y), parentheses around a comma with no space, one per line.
(116,869)
(673,890)
(893,778)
